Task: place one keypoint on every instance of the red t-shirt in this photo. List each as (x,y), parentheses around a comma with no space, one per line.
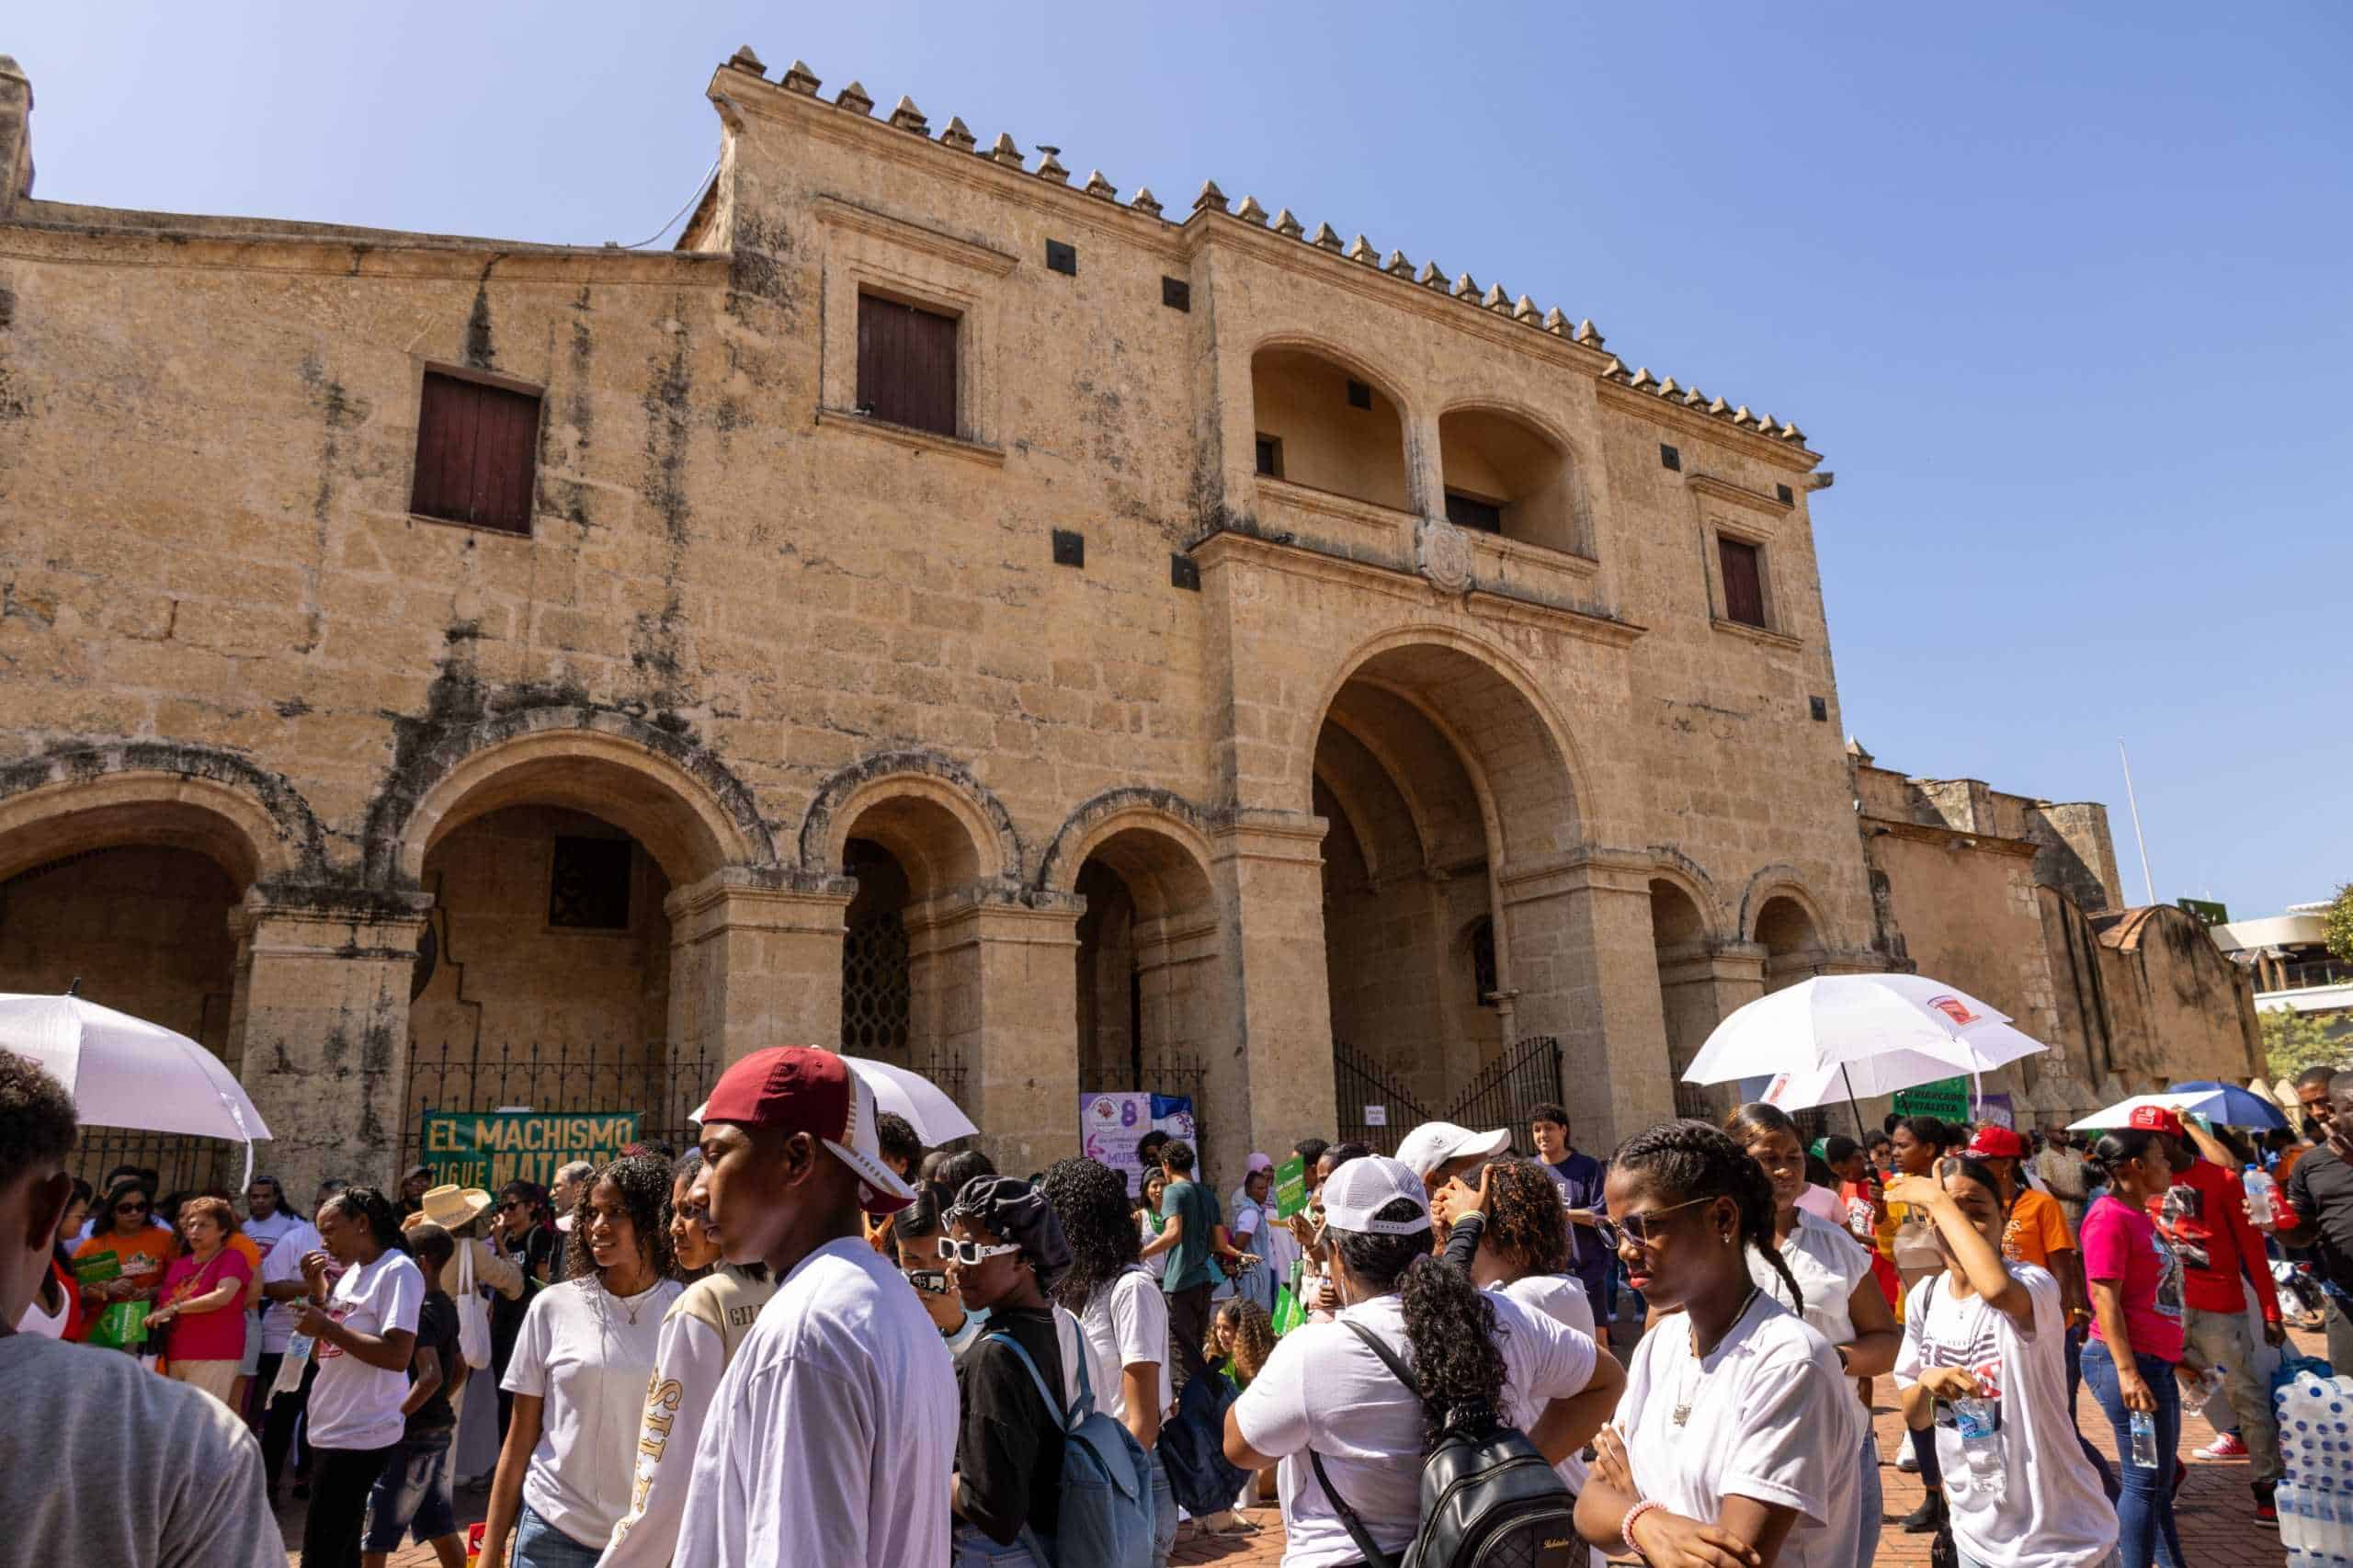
(2204,1214)
(206,1336)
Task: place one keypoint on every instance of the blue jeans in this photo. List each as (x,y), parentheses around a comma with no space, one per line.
(538,1544)
(1164,1500)
(412,1492)
(1870,1503)
(2145,1533)
(2076,1338)
(972,1548)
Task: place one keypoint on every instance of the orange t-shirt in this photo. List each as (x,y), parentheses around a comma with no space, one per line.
(243,1245)
(144,1257)
(2036,1228)
(2288,1163)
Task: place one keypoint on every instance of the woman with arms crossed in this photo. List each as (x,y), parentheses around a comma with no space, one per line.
(1732,1448)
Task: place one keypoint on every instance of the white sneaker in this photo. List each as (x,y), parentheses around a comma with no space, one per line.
(1908,1462)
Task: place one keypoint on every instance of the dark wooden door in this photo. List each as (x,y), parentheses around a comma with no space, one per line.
(906,365)
(1744,583)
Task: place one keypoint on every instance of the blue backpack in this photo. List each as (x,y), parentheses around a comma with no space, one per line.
(1108,1512)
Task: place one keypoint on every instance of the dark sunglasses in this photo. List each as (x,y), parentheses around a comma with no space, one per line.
(513,1203)
(1637,1228)
(132,1207)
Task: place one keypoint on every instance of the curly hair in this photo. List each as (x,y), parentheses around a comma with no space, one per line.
(1091,1201)
(36,1119)
(1449,1322)
(1253,1332)
(643,1182)
(1524,1217)
(216,1210)
(1690,1160)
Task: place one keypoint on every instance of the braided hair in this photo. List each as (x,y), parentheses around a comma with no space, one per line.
(370,1206)
(1691,1159)
(1449,1322)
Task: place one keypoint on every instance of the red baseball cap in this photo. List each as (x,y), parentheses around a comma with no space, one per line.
(799,1088)
(2156,1119)
(1991,1142)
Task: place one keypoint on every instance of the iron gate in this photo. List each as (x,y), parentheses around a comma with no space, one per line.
(1502,1093)
(561,1077)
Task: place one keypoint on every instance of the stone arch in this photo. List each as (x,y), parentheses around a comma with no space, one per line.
(1348,356)
(1687,876)
(926,808)
(1304,400)
(1777,881)
(1501,452)
(255,825)
(1509,762)
(1156,840)
(684,805)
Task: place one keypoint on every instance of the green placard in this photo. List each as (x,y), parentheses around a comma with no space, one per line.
(1947,1099)
(2209,913)
(1291,1188)
(488,1149)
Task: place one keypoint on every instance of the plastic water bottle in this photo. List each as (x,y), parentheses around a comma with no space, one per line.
(1978,1421)
(2210,1383)
(2144,1440)
(2262,1196)
(2295,1528)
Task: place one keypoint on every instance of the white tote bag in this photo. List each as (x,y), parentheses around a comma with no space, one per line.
(473,1312)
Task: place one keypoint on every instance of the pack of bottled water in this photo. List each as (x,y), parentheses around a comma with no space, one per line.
(2315,1496)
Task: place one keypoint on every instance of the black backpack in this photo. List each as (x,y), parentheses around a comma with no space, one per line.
(1489,1500)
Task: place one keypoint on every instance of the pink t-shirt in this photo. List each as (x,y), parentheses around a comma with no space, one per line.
(206,1336)
(2122,1245)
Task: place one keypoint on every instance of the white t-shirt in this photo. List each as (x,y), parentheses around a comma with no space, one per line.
(1767,1421)
(1562,1298)
(587,1355)
(2050,1512)
(1325,1386)
(833,1432)
(353,1404)
(1158,1262)
(1829,1264)
(1126,1323)
(282,1261)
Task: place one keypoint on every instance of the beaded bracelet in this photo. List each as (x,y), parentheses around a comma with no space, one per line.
(1626,1525)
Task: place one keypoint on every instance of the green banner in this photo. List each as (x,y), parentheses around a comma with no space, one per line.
(1947,1099)
(490,1148)
(1291,1188)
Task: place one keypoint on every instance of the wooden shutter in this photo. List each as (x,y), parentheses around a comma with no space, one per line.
(476,446)
(906,365)
(1744,582)
(1470,512)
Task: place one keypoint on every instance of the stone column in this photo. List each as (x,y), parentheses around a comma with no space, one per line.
(1584,960)
(320,1013)
(1006,986)
(755,960)
(1271,1085)
(1424,465)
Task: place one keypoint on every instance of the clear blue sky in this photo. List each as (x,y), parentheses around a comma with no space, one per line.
(2063,292)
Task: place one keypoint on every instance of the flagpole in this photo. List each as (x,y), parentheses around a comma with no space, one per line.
(2148,883)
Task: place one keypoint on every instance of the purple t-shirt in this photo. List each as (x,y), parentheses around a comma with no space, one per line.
(2122,1245)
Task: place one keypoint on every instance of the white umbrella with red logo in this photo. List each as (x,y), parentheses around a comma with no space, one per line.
(1844,1035)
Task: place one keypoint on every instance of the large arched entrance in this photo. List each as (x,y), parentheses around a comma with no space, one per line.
(1448,794)
(1145,942)
(904,995)
(125,890)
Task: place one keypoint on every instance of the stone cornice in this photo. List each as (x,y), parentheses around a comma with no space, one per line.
(1948,837)
(369,255)
(1739,494)
(1675,416)
(837,213)
(1230,547)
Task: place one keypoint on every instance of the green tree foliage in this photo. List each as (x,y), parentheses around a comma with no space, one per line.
(2294,1042)
(2338,924)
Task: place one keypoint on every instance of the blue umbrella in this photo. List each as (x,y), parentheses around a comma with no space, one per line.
(2231,1106)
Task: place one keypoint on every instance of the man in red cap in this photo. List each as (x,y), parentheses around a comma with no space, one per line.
(2205,1215)
(831,1440)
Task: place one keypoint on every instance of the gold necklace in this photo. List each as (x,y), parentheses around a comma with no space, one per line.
(1700,1380)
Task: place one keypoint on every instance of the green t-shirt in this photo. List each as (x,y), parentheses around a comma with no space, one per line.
(1188,1260)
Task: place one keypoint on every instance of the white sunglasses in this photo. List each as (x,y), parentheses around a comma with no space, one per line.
(971,1253)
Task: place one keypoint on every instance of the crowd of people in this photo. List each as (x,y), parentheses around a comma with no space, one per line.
(809,1340)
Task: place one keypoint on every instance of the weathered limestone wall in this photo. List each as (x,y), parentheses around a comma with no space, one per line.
(144,929)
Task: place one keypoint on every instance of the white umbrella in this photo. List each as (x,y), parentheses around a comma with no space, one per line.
(125,1072)
(924,1103)
(1844,1036)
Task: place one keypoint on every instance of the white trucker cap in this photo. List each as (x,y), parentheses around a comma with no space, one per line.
(1433,1143)
(1364,1186)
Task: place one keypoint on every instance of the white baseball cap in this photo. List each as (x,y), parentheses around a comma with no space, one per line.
(1433,1143)
(1364,1186)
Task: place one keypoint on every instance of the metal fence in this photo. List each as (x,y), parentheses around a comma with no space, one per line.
(1504,1092)
(560,1077)
(180,1164)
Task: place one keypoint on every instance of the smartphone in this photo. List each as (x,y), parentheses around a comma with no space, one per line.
(933,1280)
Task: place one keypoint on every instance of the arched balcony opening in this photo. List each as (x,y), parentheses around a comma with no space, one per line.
(1320,425)
(1505,477)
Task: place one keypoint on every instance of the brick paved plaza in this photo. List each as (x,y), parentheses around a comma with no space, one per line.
(2216,1514)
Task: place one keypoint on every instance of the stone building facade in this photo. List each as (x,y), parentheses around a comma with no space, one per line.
(1027,633)
(2018,902)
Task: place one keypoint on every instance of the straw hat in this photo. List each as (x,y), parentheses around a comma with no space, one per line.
(451,1207)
